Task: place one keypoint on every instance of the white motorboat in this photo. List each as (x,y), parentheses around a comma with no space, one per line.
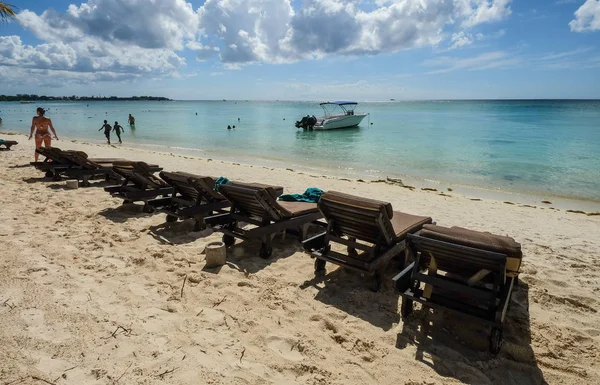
(337,115)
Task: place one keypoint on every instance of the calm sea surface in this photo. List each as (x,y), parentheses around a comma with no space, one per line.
(547,147)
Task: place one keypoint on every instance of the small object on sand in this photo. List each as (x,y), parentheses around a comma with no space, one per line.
(547,202)
(215,254)
(72,183)
(428,189)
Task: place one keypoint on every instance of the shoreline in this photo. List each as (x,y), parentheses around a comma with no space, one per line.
(443,188)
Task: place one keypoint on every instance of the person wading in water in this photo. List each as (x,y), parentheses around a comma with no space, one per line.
(107,129)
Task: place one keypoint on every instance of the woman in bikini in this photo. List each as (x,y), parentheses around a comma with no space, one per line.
(41,125)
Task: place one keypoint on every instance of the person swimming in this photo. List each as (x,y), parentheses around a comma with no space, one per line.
(42,125)
(131,120)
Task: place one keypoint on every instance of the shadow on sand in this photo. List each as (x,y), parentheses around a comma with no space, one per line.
(456,346)
(244,255)
(123,213)
(351,292)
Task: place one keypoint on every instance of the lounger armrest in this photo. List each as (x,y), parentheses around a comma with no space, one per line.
(159,202)
(112,189)
(219,219)
(402,280)
(314,243)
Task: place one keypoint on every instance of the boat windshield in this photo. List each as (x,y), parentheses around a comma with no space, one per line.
(338,108)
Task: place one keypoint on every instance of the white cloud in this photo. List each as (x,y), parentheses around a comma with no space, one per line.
(129,38)
(460,39)
(587,17)
(489,60)
(273,31)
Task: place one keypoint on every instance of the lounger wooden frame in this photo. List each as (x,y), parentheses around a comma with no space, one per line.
(257,206)
(347,223)
(55,158)
(193,196)
(475,284)
(139,184)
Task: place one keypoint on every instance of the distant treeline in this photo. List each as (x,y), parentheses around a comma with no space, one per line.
(33,98)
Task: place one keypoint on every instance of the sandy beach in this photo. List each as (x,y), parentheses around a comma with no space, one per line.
(92,292)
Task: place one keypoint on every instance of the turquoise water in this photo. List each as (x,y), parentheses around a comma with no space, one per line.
(548,147)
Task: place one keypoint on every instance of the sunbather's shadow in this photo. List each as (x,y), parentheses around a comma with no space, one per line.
(353,293)
(457,346)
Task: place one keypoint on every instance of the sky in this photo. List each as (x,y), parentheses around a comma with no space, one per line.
(304,49)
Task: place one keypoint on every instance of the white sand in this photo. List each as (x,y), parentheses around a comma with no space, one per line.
(90,293)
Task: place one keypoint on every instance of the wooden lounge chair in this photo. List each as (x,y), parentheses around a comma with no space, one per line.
(467,271)
(193,196)
(139,184)
(372,232)
(8,143)
(257,205)
(55,161)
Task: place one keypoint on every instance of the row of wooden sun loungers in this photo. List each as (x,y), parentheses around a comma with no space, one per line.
(461,270)
(76,165)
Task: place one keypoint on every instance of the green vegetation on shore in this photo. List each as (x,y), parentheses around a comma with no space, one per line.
(33,97)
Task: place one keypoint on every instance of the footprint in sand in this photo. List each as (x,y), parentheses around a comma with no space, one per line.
(285,347)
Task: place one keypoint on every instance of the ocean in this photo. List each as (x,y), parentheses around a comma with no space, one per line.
(544,147)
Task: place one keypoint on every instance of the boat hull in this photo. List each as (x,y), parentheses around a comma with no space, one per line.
(345,121)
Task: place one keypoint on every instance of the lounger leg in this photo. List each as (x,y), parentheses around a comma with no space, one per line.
(304,232)
(495,340)
(199,225)
(320,266)
(406,308)
(378,280)
(266,250)
(229,240)
(351,250)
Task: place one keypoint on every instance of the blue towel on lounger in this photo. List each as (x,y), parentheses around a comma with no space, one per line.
(221,180)
(311,195)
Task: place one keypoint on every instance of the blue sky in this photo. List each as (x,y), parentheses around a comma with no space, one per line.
(304,50)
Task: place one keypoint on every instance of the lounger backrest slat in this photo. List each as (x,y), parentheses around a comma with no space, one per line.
(52,153)
(258,202)
(205,185)
(80,159)
(139,174)
(457,259)
(366,220)
(181,184)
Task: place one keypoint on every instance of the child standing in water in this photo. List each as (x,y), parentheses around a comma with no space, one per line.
(117,128)
(107,129)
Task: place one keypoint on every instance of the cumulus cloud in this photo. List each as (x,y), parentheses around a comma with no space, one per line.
(139,37)
(587,17)
(157,24)
(114,39)
(273,31)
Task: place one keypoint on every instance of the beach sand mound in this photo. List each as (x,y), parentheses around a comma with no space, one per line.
(92,293)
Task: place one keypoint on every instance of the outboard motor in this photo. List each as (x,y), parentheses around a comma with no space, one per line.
(303,122)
